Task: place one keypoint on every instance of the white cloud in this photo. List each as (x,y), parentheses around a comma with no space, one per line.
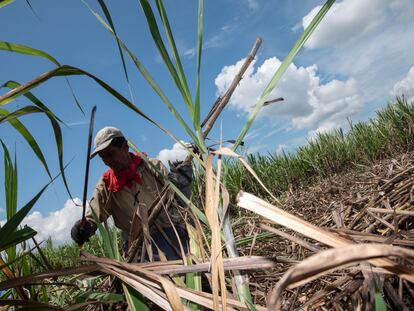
(177,153)
(405,86)
(57,224)
(308,103)
(368,40)
(346,22)
(332,103)
(253,84)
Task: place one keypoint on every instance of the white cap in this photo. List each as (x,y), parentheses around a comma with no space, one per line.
(104,138)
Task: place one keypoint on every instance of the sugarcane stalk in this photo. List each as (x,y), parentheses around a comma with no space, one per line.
(240,280)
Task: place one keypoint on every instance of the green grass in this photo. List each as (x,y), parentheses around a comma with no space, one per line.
(67,255)
(57,257)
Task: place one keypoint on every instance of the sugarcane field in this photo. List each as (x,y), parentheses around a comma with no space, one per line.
(207,155)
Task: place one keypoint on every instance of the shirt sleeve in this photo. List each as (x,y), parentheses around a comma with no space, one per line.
(100,203)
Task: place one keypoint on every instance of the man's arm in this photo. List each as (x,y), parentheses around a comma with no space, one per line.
(181,175)
(100,203)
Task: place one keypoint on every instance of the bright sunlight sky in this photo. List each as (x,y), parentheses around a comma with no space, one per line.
(355,62)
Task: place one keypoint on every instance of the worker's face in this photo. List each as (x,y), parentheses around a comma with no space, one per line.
(116,158)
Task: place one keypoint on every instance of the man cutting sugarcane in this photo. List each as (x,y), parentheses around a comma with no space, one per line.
(133,193)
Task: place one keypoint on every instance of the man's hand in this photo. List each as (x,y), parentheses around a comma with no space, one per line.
(82,231)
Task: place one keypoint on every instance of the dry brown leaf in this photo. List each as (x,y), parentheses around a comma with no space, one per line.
(316,265)
(212,216)
(35,278)
(142,280)
(281,217)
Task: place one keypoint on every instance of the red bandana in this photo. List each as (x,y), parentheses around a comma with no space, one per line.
(116,181)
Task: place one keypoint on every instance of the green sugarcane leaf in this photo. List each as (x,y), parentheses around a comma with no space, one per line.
(27,50)
(10,187)
(13,84)
(152,24)
(109,19)
(193,280)
(136,301)
(380,304)
(106,242)
(10,183)
(11,225)
(164,98)
(29,139)
(56,129)
(16,237)
(20,112)
(176,55)
(59,145)
(6,294)
(12,119)
(106,237)
(283,67)
(3,3)
(14,185)
(167,102)
(69,71)
(74,97)
(23,49)
(23,89)
(153,84)
(199,50)
(114,240)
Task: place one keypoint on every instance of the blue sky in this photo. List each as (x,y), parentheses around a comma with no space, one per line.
(358,58)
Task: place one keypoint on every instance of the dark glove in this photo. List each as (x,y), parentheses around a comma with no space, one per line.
(181,175)
(82,231)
